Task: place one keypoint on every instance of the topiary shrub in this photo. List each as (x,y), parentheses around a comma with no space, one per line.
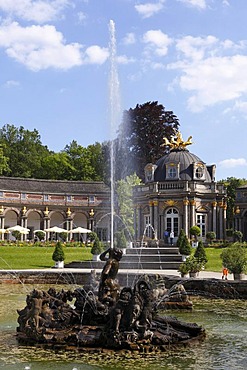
(195,231)
(97,247)
(58,254)
(200,253)
(210,236)
(184,244)
(120,240)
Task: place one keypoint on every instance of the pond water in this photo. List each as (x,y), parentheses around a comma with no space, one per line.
(225,346)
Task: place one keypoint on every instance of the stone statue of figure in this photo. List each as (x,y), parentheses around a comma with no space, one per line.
(109,288)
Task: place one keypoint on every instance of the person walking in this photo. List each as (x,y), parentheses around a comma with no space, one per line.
(171,237)
(225,273)
(166,235)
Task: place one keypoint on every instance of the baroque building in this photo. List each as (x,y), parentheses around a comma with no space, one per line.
(240,214)
(41,204)
(180,191)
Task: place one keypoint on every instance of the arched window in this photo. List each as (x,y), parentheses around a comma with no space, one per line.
(172,173)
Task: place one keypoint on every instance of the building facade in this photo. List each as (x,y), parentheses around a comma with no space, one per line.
(179,192)
(240,216)
(41,204)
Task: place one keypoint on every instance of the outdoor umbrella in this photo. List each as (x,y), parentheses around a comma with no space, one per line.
(56,229)
(80,230)
(21,229)
(2,231)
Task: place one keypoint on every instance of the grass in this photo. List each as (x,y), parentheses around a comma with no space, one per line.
(16,257)
(214,261)
(34,257)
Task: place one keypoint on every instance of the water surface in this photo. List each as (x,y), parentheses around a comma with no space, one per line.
(224,348)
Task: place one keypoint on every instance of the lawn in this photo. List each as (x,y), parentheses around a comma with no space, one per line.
(33,257)
(14,257)
(214,261)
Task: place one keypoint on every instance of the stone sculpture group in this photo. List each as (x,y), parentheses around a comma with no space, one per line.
(111,317)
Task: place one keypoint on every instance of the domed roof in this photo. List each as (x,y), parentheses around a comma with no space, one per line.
(180,164)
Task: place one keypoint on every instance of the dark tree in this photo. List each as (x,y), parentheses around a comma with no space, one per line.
(231,184)
(141,135)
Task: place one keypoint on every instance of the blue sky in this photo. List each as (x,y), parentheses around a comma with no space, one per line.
(189,55)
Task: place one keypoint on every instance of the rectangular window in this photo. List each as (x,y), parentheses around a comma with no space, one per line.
(91,199)
(23,195)
(147,223)
(201,222)
(69,198)
(46,197)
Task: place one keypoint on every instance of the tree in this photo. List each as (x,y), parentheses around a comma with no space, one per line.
(141,135)
(97,247)
(200,253)
(58,254)
(231,184)
(124,190)
(23,150)
(183,244)
(88,163)
(57,166)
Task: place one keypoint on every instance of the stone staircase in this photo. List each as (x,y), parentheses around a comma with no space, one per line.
(147,258)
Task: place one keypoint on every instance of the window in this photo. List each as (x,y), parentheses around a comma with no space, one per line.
(91,199)
(147,224)
(46,197)
(172,173)
(201,222)
(172,221)
(199,172)
(23,195)
(69,198)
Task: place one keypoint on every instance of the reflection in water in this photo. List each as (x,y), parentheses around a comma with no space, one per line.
(225,346)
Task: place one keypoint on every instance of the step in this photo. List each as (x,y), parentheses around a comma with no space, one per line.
(169,265)
(151,258)
(143,251)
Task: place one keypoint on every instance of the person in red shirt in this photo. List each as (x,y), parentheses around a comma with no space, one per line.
(224,273)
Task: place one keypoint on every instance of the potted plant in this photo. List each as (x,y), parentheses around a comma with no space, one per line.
(194,266)
(184,269)
(234,258)
(195,231)
(184,245)
(96,249)
(210,236)
(200,253)
(58,255)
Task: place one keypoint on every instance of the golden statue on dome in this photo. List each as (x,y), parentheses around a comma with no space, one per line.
(177,141)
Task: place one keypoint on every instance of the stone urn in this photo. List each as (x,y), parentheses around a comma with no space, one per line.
(240,276)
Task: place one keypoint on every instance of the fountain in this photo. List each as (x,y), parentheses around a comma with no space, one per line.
(113,318)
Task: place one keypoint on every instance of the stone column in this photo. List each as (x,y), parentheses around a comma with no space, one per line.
(151,212)
(155,218)
(139,228)
(214,219)
(192,212)
(221,220)
(24,222)
(186,216)
(47,222)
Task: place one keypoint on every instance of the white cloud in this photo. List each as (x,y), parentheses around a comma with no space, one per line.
(123,59)
(12,83)
(158,41)
(96,55)
(149,9)
(82,17)
(129,39)
(231,163)
(207,73)
(39,11)
(199,4)
(42,47)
